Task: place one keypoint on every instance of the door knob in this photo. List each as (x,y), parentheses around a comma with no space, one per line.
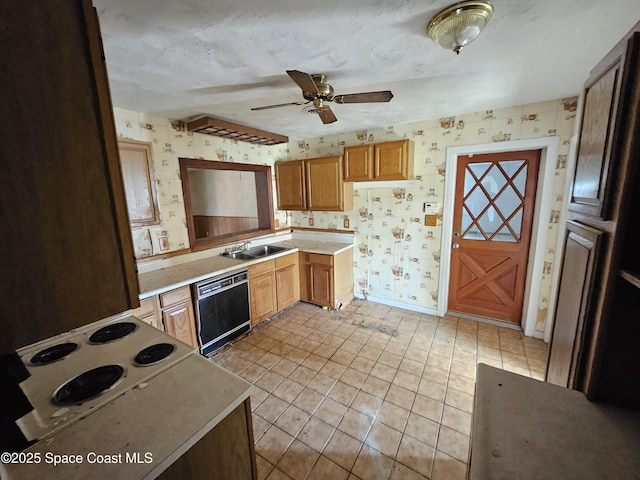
(456,234)
(456,245)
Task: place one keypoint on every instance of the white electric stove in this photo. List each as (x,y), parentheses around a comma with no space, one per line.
(74,374)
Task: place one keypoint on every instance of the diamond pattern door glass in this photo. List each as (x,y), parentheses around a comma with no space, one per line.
(493,200)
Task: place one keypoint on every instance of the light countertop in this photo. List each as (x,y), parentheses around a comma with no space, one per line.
(524,429)
(164,279)
(165,418)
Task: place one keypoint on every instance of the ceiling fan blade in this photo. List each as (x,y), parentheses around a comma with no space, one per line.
(367,97)
(326,115)
(278,105)
(304,81)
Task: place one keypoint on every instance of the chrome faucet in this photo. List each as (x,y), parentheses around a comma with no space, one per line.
(236,249)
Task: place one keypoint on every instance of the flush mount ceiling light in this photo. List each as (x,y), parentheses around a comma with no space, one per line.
(460,24)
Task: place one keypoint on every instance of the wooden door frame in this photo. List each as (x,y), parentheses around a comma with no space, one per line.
(542,212)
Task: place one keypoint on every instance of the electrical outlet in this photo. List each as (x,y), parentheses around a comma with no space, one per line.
(164,243)
(345,222)
(431,220)
(311,221)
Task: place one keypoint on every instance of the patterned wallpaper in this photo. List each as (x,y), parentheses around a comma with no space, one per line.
(397,258)
(168,145)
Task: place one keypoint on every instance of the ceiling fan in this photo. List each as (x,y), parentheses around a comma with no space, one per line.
(316,90)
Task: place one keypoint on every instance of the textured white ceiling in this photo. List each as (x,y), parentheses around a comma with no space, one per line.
(183,58)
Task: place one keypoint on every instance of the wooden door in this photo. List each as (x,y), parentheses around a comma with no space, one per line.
(495,198)
(262,290)
(325,188)
(391,160)
(358,163)
(180,322)
(574,295)
(290,185)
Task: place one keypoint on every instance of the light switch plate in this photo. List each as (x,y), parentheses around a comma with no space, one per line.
(431,208)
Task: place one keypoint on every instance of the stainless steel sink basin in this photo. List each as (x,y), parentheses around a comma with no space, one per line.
(255,252)
(240,256)
(264,250)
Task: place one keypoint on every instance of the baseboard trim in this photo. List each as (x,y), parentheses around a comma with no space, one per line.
(392,303)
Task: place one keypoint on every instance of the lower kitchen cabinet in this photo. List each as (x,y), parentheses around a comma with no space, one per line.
(262,291)
(171,312)
(148,312)
(327,280)
(226,452)
(180,322)
(273,286)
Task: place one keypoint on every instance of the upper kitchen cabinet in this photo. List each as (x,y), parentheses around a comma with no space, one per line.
(67,255)
(596,333)
(290,185)
(139,183)
(596,157)
(379,161)
(315,184)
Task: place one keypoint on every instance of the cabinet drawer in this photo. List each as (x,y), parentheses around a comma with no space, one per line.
(258,268)
(147,307)
(175,296)
(286,260)
(319,259)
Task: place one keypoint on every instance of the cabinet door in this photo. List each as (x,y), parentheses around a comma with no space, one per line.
(290,185)
(139,183)
(325,187)
(262,292)
(287,286)
(391,160)
(358,163)
(321,284)
(593,178)
(574,293)
(63,206)
(180,322)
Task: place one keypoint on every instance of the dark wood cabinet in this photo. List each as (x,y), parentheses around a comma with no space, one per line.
(67,255)
(596,332)
(575,291)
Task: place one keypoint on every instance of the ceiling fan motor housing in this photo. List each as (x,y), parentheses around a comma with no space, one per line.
(325,91)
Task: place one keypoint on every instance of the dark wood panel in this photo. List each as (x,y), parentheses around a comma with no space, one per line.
(67,254)
(225,453)
(598,121)
(209,226)
(576,285)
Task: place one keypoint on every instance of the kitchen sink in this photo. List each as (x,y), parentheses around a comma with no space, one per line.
(255,252)
(264,250)
(239,256)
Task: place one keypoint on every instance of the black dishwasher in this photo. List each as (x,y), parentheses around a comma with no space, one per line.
(223,309)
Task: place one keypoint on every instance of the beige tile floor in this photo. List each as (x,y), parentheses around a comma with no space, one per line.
(371,392)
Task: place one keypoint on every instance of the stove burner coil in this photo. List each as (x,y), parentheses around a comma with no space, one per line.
(154,354)
(112,332)
(88,385)
(53,353)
